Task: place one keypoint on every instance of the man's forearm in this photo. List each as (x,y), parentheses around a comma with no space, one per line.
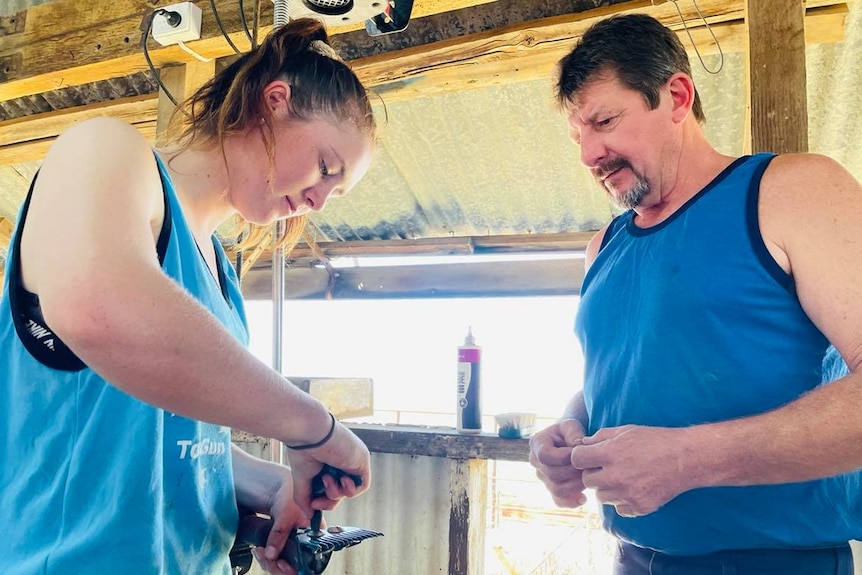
(818,435)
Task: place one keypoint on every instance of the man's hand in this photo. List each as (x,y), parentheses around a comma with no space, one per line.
(551,455)
(636,469)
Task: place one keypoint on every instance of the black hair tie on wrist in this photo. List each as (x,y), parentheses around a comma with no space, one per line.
(319,443)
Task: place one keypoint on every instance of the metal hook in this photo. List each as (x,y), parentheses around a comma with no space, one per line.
(688,33)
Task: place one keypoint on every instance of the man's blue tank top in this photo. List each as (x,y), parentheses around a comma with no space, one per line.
(692,321)
(93,480)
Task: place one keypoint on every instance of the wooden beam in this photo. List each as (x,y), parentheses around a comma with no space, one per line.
(6,228)
(531,50)
(439,442)
(66,43)
(133,110)
(497,244)
(474,279)
(35,150)
(823,25)
(181,81)
(469,23)
(776,76)
(27,139)
(14,183)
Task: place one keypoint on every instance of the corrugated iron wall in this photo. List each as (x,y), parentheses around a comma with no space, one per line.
(409,504)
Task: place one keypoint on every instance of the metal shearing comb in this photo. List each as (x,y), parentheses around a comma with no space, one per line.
(308,549)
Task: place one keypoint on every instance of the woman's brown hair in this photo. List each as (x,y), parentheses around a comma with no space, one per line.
(322,88)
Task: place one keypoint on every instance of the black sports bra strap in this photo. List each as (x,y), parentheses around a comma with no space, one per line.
(30,325)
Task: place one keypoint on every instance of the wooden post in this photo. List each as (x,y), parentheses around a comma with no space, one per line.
(777,91)
(181,81)
(468,497)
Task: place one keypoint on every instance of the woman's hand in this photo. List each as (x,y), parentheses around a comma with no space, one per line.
(344,451)
(286,516)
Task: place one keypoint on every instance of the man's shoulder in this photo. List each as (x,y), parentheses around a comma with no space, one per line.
(801,167)
(805,187)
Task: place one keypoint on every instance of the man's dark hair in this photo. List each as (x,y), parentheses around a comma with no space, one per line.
(643,53)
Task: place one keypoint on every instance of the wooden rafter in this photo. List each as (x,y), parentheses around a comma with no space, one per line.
(480,60)
(476,279)
(27,139)
(468,245)
(62,45)
(530,50)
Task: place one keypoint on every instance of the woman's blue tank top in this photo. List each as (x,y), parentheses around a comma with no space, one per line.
(93,480)
(692,321)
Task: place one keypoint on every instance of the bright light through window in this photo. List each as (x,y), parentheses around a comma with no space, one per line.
(531,360)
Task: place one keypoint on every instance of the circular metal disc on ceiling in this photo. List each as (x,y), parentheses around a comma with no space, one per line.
(337,12)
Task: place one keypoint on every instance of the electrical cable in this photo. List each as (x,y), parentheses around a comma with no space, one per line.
(182,45)
(255,23)
(221,27)
(244,22)
(144,39)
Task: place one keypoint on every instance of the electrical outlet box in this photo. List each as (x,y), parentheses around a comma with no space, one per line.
(189,27)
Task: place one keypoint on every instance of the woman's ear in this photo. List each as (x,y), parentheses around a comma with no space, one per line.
(681,88)
(276,99)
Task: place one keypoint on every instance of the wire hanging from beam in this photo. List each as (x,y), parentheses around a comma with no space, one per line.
(688,33)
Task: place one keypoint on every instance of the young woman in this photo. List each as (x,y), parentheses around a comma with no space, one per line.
(123,331)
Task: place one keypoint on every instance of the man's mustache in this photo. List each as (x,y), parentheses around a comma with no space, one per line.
(604,170)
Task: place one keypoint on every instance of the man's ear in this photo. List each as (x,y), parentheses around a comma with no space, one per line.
(681,89)
(276,99)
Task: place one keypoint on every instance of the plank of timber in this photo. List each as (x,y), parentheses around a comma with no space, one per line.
(6,228)
(826,24)
(303,255)
(823,25)
(66,44)
(35,150)
(551,277)
(459,25)
(181,81)
(776,76)
(523,52)
(133,110)
(13,187)
(562,242)
(69,42)
(439,442)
